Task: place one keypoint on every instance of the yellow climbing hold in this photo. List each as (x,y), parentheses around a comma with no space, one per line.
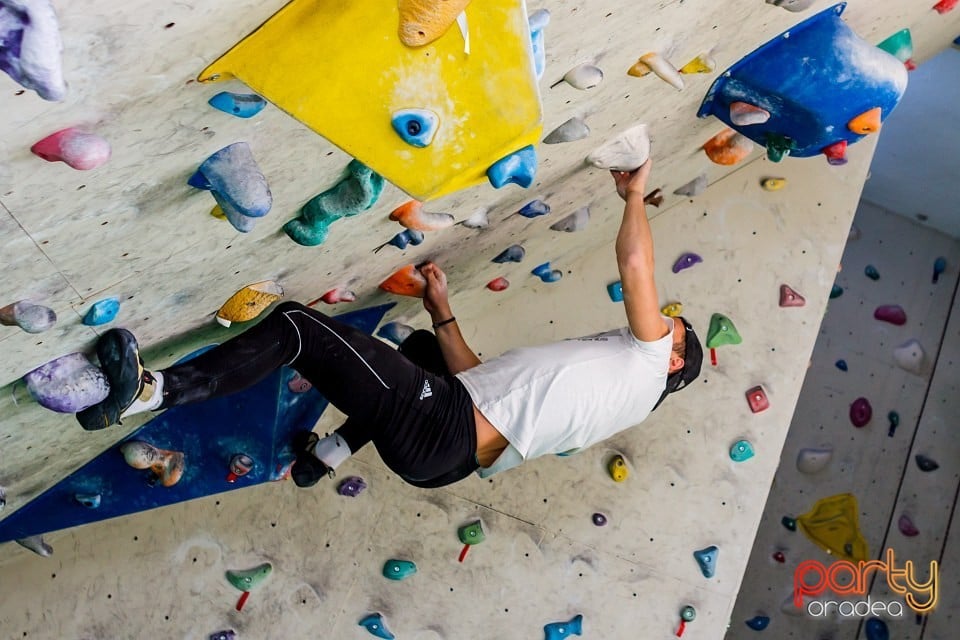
(249,302)
(218,213)
(618,468)
(700,64)
(773,184)
(423,21)
(833,525)
(639,69)
(673,309)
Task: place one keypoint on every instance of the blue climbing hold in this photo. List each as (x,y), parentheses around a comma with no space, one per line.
(842,365)
(416,126)
(758,623)
(545,273)
(534,208)
(561,630)
(375,626)
(836,291)
(395,332)
(513,253)
(88,500)
(398,569)
(939,266)
(237,184)
(707,559)
(102,312)
(517,168)
(877,629)
(615,291)
(871,272)
(405,237)
(242,105)
(537,21)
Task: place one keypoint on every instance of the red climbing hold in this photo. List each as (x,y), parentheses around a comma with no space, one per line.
(836,153)
(790,298)
(945,6)
(779,557)
(498,284)
(757,399)
(860,412)
(892,313)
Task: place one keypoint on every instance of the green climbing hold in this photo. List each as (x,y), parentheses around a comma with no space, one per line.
(789,523)
(249,579)
(778,146)
(899,45)
(722,332)
(398,569)
(355,193)
(471,533)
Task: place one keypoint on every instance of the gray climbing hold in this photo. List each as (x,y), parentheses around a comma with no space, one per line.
(513,253)
(36,544)
(626,152)
(67,384)
(791,5)
(478,220)
(693,188)
(584,76)
(812,461)
(32,318)
(572,129)
(576,221)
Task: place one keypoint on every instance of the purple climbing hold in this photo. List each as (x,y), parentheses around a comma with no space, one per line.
(599,519)
(892,313)
(513,253)
(906,526)
(226,634)
(67,384)
(351,486)
(534,208)
(30,47)
(926,464)
(686,261)
(860,412)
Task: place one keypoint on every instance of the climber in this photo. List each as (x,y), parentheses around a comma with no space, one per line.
(434,411)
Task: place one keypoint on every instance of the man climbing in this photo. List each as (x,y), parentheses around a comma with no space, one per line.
(434,411)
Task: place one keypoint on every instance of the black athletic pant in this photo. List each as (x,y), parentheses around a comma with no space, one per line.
(420,418)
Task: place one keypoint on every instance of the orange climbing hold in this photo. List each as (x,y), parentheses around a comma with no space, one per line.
(166,465)
(866,122)
(423,21)
(653,61)
(412,216)
(406,281)
(728,147)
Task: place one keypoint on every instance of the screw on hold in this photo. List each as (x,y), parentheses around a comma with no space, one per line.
(398,569)
(876,629)
(871,272)
(470,534)
(686,261)
(926,464)
(561,630)
(758,623)
(836,291)
(860,412)
(375,626)
(894,419)
(779,556)
(687,614)
(789,523)
(240,465)
(741,451)
(599,519)
(618,468)
(757,399)
(939,266)
(841,364)
(707,560)
(906,526)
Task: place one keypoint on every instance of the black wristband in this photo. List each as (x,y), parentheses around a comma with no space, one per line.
(437,325)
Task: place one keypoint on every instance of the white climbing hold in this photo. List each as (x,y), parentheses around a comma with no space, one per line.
(576,221)
(909,356)
(584,76)
(626,152)
(812,461)
(477,220)
(32,318)
(572,129)
(693,188)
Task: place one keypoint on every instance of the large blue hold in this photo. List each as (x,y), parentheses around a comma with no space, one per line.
(561,630)
(517,168)
(813,79)
(237,184)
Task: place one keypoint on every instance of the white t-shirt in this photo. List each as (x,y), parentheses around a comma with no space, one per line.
(565,396)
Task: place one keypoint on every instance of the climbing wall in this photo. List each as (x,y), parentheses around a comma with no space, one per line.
(134,230)
(886,464)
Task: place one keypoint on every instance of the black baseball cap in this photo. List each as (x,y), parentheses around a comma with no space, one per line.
(692,361)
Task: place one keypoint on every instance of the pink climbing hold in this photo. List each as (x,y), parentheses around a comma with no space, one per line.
(744,114)
(338,294)
(498,284)
(79,149)
(945,6)
(790,298)
(860,412)
(906,526)
(892,313)
(757,399)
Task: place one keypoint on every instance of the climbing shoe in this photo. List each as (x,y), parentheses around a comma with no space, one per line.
(307,469)
(120,361)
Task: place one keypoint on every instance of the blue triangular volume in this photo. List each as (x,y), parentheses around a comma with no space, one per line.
(258,422)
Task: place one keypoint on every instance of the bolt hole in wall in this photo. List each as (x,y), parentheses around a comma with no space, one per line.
(902,255)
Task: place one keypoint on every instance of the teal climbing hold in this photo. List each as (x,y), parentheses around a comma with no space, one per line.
(102,312)
(249,579)
(355,193)
(375,626)
(517,168)
(789,523)
(561,630)
(707,560)
(615,291)
(778,146)
(758,623)
(398,569)
(471,533)
(836,291)
(741,450)
(242,105)
(871,272)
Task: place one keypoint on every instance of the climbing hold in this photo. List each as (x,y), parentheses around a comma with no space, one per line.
(398,569)
(701,64)
(338,294)
(672,310)
(789,523)
(841,364)
(471,533)
(537,21)
(88,500)
(773,184)
(909,356)
(722,332)
(76,148)
(351,486)
(402,239)
(876,629)
(374,624)
(249,302)
(942,7)
(242,105)
(165,465)
(513,253)
(860,412)
(790,298)
(615,291)
(779,557)
(573,129)
(3,498)
(728,147)
(778,146)
(656,63)
(354,194)
(545,273)
(685,261)
(894,419)
(744,114)
(626,152)
(31,47)
(534,208)
(226,634)
(517,168)
(102,312)
(741,451)
(693,188)
(416,127)
(791,5)
(757,399)
(67,384)
(906,526)
(899,45)
(406,281)
(240,465)
(871,272)
(247,580)
(836,291)
(926,464)
(395,332)
(617,467)
(299,384)
(498,284)
(576,221)
(36,544)
(758,623)
(237,184)
(32,318)
(599,519)
(892,313)
(833,525)
(867,122)
(584,76)
(654,198)
(836,153)
(939,266)
(477,220)
(707,560)
(687,614)
(561,630)
(423,21)
(812,461)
